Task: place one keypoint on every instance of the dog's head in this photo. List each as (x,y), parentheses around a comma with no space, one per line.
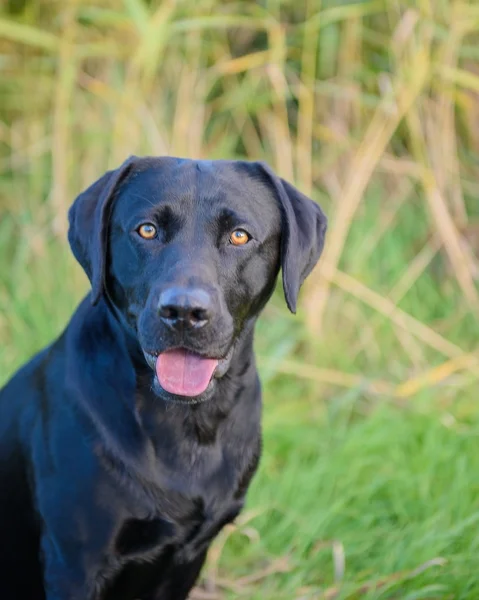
(187,253)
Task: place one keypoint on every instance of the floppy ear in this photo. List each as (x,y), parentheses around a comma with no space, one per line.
(302,238)
(88,217)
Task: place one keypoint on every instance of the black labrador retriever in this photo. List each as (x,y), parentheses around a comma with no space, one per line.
(128,444)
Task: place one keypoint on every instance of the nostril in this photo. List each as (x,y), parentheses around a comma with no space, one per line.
(199,314)
(169,312)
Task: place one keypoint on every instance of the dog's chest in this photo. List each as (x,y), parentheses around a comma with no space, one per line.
(184,506)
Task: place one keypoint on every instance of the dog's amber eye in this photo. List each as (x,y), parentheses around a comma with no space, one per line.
(239,237)
(147,231)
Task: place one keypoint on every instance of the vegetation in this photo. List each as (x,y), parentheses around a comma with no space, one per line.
(369,484)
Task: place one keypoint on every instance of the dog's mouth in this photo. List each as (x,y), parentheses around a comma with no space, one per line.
(185,373)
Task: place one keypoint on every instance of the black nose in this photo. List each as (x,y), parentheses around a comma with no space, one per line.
(185,307)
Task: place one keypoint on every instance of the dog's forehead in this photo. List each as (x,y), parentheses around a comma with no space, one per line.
(154,181)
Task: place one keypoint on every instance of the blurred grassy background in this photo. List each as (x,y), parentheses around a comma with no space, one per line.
(369,486)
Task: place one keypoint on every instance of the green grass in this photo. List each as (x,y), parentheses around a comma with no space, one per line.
(368,486)
(393,491)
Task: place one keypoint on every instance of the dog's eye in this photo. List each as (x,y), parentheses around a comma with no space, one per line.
(239,237)
(147,231)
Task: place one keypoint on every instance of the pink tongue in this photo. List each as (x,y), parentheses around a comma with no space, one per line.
(183,373)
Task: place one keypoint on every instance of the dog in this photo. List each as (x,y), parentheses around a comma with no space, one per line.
(129,442)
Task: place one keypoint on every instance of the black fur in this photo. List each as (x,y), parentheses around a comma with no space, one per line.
(112,488)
